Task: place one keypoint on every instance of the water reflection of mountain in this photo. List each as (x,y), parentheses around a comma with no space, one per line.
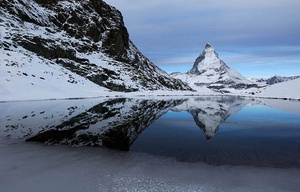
(210,112)
(114,123)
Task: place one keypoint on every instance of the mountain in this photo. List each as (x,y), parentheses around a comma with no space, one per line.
(275,79)
(210,72)
(50,46)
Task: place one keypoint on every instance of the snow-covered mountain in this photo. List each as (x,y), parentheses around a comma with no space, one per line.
(209,73)
(66,48)
(273,80)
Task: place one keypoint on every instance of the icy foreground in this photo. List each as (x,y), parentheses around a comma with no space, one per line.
(33,167)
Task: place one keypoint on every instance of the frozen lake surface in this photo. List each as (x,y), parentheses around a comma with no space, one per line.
(158,144)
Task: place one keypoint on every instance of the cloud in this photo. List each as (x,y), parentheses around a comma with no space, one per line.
(183,27)
(185,23)
(261,54)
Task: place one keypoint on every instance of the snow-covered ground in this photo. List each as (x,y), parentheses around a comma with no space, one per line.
(46,94)
(26,76)
(288,89)
(37,167)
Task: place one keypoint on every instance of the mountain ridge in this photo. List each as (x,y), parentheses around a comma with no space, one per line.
(274,79)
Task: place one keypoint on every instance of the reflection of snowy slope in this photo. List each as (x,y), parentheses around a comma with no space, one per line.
(290,106)
(209,113)
(25,119)
(113,123)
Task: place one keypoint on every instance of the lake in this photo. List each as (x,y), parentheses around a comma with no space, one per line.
(210,132)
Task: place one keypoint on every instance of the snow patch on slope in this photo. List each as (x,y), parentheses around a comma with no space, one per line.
(24,75)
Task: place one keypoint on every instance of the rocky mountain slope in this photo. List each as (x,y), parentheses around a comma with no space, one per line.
(56,44)
(211,73)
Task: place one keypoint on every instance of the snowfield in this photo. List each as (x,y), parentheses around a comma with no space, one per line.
(26,76)
(288,89)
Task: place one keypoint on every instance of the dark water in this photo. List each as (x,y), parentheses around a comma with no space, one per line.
(216,130)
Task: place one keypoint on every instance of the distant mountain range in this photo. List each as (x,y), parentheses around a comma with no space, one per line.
(273,80)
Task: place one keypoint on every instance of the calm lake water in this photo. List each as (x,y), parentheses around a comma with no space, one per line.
(215,130)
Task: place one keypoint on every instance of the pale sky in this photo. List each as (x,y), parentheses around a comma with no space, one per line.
(258,38)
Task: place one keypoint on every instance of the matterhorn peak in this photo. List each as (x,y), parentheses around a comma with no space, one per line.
(207,59)
(208,45)
(210,52)
(209,72)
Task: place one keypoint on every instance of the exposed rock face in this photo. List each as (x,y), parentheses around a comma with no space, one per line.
(87,37)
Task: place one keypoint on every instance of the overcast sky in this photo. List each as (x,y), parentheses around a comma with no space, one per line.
(259,38)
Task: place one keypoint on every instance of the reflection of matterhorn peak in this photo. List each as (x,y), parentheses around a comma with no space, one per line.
(208,120)
(209,113)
